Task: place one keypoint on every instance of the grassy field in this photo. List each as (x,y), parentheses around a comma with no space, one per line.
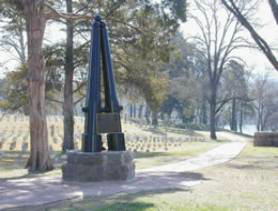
(150,146)
(151,159)
(249,182)
(12,162)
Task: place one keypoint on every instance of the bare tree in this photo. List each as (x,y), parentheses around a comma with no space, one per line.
(265,104)
(13,39)
(219,37)
(263,45)
(235,85)
(260,94)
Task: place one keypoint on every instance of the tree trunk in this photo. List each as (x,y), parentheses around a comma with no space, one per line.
(204,113)
(130,111)
(162,116)
(233,119)
(68,142)
(213,112)
(147,115)
(39,160)
(241,117)
(140,112)
(134,111)
(260,118)
(154,118)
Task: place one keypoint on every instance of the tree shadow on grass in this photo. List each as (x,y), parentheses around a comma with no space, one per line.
(26,175)
(12,165)
(125,198)
(148,183)
(122,206)
(117,202)
(138,155)
(155,131)
(255,163)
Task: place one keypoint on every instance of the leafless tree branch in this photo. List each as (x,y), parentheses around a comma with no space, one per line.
(262,44)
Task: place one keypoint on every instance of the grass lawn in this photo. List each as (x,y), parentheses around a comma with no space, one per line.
(249,182)
(151,159)
(12,163)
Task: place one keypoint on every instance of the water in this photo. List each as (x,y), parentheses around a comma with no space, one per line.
(249,129)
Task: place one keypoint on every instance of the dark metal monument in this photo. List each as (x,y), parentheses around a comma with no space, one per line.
(101,117)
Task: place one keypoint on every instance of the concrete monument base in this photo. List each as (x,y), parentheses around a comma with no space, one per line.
(98,166)
(266,139)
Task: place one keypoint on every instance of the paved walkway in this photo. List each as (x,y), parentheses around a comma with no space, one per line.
(28,192)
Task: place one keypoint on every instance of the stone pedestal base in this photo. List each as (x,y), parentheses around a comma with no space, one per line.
(266,139)
(98,166)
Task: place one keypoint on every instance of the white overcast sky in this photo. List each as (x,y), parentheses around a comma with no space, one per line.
(253,58)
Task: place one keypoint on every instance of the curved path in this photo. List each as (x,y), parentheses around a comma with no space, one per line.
(29,192)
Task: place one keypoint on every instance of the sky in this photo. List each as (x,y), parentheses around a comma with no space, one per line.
(255,60)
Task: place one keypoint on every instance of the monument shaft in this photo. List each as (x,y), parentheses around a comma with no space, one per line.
(100,119)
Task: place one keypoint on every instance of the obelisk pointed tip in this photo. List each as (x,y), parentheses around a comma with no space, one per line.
(97,18)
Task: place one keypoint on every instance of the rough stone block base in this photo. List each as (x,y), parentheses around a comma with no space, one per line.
(266,139)
(98,166)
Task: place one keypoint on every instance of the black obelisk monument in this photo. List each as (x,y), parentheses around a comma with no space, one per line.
(100,119)
(93,163)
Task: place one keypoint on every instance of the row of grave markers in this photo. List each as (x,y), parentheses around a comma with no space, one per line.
(15,137)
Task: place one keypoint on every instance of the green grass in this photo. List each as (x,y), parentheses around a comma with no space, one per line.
(190,149)
(146,201)
(12,165)
(12,162)
(188,132)
(140,206)
(150,159)
(256,151)
(249,182)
